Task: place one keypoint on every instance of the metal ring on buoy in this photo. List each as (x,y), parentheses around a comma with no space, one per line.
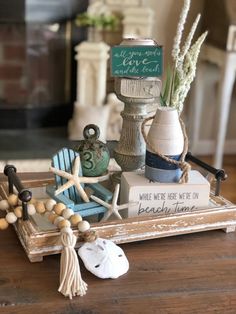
(87,135)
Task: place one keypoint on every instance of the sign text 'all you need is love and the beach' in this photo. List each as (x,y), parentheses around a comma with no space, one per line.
(139,61)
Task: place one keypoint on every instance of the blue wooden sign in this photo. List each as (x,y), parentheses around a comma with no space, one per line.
(141,61)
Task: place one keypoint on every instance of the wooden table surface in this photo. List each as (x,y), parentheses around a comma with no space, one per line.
(193,273)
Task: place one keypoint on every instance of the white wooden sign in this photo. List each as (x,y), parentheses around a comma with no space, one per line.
(163,199)
(139,88)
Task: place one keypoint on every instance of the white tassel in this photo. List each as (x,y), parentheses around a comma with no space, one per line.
(71,282)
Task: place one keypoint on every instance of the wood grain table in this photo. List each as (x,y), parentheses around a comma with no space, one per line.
(193,273)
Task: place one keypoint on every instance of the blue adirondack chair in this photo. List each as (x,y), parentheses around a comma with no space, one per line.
(64,160)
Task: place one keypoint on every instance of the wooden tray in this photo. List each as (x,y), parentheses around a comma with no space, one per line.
(40,238)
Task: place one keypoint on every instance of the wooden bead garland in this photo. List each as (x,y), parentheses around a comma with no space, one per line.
(67,213)
(12,199)
(31,209)
(50,203)
(71,282)
(3,224)
(64,224)
(11,218)
(58,208)
(40,208)
(4,205)
(18,211)
(57,220)
(83,226)
(57,213)
(62,221)
(75,219)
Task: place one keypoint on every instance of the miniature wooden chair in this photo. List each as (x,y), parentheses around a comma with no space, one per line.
(64,160)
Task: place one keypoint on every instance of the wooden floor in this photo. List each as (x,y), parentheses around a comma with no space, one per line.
(193,273)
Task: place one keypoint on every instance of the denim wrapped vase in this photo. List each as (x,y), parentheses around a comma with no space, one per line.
(165,137)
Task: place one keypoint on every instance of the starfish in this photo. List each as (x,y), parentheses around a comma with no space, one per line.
(113,208)
(75,180)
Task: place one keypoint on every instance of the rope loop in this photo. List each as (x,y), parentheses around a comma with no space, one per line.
(185,167)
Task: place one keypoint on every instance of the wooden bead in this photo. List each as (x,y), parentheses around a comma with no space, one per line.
(4,205)
(50,204)
(31,209)
(83,226)
(11,218)
(57,220)
(58,208)
(40,208)
(52,217)
(3,224)
(64,224)
(67,213)
(18,211)
(33,201)
(75,219)
(13,200)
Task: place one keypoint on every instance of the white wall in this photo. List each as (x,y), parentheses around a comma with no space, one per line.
(166,20)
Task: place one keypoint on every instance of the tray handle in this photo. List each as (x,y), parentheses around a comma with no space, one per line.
(23,194)
(219,174)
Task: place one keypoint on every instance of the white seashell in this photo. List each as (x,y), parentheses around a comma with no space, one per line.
(104,258)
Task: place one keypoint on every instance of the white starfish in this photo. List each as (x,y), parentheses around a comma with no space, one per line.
(113,208)
(74,179)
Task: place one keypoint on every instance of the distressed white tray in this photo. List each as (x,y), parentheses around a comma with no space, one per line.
(40,238)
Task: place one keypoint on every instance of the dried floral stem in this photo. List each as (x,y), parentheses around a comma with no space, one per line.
(189,39)
(180,28)
(184,62)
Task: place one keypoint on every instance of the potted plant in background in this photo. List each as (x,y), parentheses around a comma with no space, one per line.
(167,141)
(99,20)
